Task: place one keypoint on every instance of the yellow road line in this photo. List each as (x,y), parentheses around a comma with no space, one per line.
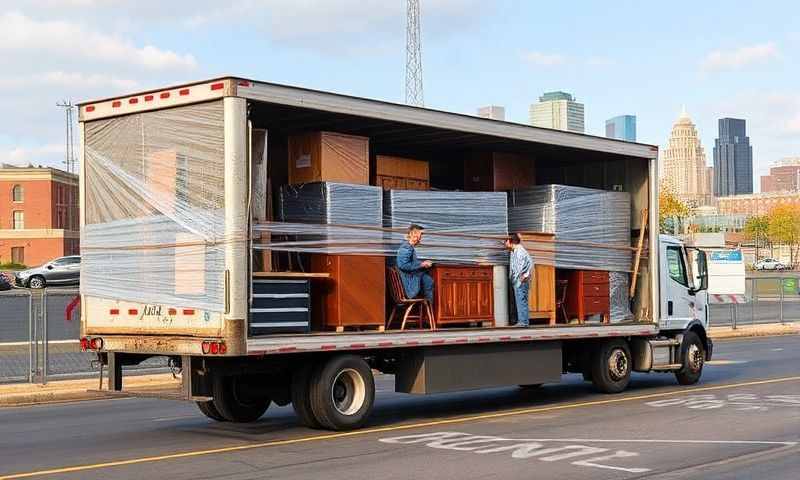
(432,423)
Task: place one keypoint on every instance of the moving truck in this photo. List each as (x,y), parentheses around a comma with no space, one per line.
(186,255)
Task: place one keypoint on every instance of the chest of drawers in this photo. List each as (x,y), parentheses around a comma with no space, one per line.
(463,294)
(587,293)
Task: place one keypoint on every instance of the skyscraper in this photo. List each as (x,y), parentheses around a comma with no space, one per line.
(495,112)
(733,159)
(685,169)
(558,110)
(622,127)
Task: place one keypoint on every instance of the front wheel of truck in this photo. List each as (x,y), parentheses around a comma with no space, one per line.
(342,392)
(236,400)
(693,356)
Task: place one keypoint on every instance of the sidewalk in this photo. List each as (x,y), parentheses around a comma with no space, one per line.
(66,390)
(69,390)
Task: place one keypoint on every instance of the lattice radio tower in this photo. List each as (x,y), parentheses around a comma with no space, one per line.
(70,160)
(414,94)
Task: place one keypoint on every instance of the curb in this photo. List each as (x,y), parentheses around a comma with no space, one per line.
(72,390)
(765,330)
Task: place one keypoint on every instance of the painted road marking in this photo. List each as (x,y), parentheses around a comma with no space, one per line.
(368,431)
(543,449)
(735,401)
(725,362)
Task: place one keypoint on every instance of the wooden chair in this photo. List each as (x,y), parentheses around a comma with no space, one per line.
(561,299)
(400,301)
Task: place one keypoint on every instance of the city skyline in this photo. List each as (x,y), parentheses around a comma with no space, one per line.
(560,111)
(684,168)
(746,67)
(622,127)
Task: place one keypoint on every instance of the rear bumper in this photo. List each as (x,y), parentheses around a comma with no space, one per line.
(164,345)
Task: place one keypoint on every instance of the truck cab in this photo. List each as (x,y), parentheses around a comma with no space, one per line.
(684,291)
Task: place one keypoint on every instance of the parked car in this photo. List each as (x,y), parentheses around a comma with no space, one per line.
(61,271)
(769,264)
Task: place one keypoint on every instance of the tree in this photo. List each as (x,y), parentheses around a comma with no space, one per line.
(670,209)
(757,229)
(784,227)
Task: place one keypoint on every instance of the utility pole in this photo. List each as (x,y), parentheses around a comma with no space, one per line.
(70,160)
(414,94)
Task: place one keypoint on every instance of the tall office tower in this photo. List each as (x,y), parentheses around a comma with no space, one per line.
(495,112)
(684,168)
(733,159)
(558,110)
(622,127)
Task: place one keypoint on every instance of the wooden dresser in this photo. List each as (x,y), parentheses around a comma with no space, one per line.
(353,296)
(463,294)
(587,293)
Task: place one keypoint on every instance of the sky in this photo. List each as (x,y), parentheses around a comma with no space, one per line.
(718,59)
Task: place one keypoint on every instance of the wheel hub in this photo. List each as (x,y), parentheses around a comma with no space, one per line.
(348,392)
(694,358)
(618,365)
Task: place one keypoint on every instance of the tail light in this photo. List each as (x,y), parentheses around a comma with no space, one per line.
(84,344)
(214,348)
(95,343)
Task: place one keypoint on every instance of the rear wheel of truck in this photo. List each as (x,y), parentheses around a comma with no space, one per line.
(611,366)
(342,392)
(236,401)
(301,396)
(693,356)
(210,411)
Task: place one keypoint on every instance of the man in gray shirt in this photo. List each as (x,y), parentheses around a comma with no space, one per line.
(520,271)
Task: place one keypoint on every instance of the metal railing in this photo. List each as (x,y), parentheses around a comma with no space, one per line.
(38,343)
(768,299)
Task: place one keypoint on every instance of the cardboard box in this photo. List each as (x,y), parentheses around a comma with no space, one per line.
(328,157)
(398,173)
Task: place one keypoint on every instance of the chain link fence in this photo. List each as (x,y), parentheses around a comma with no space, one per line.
(773,299)
(38,342)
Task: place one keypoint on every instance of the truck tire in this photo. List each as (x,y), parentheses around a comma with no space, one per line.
(342,392)
(693,356)
(611,366)
(232,401)
(301,396)
(210,411)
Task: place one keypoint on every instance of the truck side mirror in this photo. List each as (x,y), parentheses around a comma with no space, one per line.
(702,270)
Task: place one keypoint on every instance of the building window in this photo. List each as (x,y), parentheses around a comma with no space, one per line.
(17,193)
(18,255)
(18,221)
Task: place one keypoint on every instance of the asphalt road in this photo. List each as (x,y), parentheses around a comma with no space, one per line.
(741,421)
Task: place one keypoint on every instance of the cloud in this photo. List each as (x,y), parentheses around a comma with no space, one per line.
(36,155)
(69,80)
(22,34)
(544,59)
(719,60)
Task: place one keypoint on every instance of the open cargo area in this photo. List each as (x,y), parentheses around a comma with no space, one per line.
(286,210)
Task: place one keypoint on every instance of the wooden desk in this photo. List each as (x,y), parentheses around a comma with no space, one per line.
(463,294)
(355,294)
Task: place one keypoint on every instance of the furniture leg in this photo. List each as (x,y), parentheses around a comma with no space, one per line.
(405,316)
(391,317)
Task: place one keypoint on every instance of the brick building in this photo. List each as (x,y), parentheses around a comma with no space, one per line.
(38,214)
(784,176)
(756,203)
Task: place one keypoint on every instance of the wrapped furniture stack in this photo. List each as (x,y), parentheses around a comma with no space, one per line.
(592,232)
(354,295)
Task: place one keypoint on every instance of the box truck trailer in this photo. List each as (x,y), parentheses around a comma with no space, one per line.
(196,246)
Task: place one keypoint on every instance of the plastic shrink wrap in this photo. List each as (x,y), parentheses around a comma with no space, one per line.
(154,207)
(592,227)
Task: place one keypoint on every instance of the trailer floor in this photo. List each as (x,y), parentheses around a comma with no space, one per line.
(417,338)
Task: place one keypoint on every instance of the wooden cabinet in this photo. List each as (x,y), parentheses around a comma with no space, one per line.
(398,173)
(463,294)
(587,293)
(542,295)
(353,296)
(497,171)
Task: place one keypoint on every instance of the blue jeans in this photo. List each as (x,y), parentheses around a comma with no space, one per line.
(427,286)
(521,297)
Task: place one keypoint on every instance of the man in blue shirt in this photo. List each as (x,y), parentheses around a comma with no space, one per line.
(520,269)
(413,272)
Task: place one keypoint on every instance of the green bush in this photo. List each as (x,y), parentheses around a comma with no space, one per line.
(12,266)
